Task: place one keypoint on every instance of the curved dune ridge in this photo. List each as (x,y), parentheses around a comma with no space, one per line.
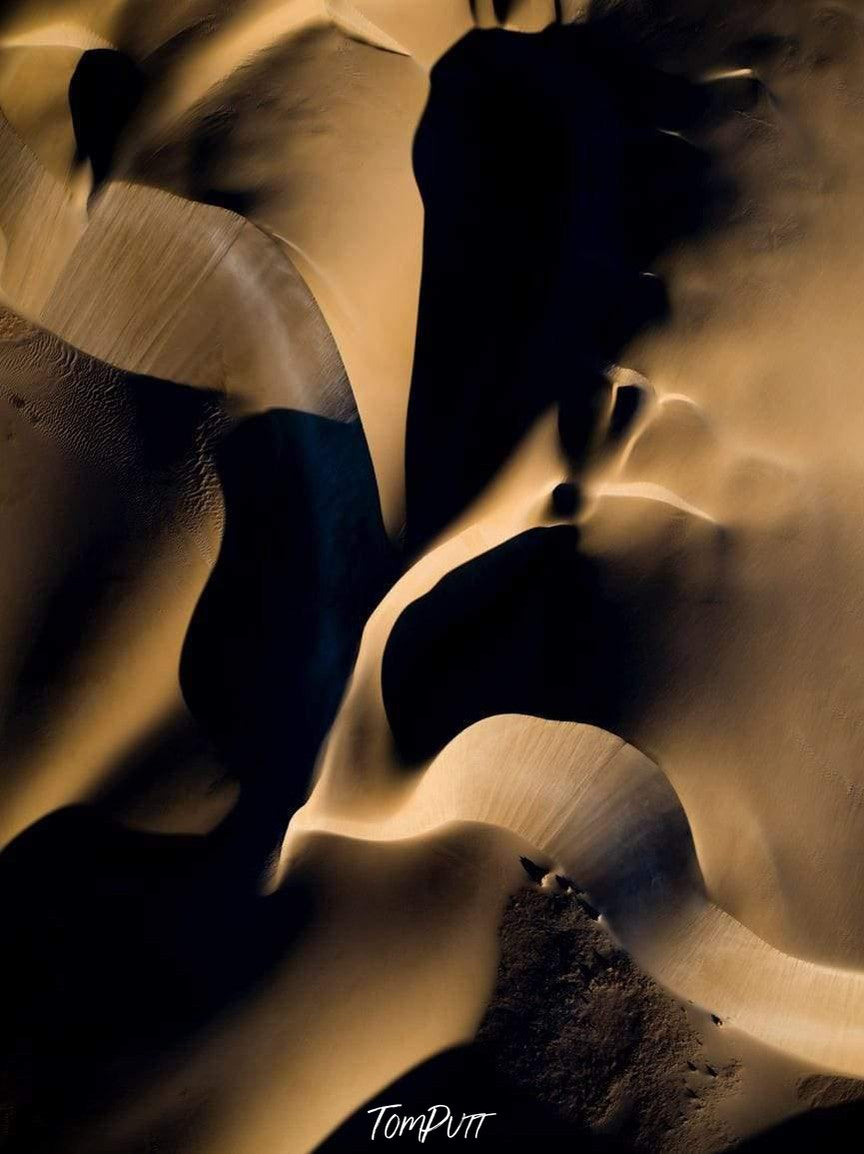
(611,623)
(600,812)
(596,808)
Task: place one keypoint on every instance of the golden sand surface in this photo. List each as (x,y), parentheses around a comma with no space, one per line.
(718,827)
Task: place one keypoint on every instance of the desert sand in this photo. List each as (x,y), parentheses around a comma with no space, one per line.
(431,500)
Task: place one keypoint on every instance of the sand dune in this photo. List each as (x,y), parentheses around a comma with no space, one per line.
(491,773)
(617,621)
(110,537)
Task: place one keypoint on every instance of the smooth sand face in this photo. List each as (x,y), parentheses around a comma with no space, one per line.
(729,523)
(107,558)
(760,717)
(327,160)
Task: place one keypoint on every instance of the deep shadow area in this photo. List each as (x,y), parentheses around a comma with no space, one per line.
(467,1082)
(304,560)
(549,185)
(554,171)
(116,948)
(104,92)
(836,1129)
(523,628)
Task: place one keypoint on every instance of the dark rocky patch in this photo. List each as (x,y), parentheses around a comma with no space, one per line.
(576,1025)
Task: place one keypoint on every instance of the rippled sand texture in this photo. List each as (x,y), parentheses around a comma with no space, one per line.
(421,450)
